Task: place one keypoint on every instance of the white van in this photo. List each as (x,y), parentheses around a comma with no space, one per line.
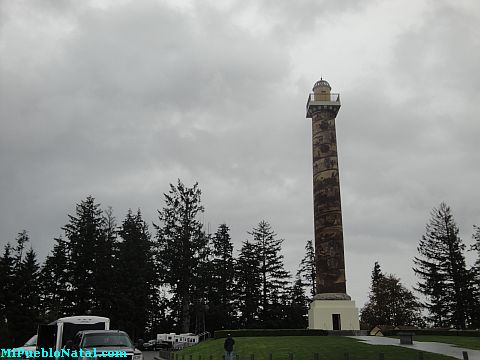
(56,334)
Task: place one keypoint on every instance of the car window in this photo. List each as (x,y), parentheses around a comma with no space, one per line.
(105,340)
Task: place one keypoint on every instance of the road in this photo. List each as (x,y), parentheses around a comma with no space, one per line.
(148,355)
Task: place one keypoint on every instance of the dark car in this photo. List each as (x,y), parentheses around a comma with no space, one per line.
(108,343)
(150,345)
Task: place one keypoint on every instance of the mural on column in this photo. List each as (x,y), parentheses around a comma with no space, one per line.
(322,107)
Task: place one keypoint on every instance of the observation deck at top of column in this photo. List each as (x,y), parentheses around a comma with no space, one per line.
(316,103)
(322,99)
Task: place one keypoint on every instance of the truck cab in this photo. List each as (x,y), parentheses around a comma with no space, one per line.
(106,343)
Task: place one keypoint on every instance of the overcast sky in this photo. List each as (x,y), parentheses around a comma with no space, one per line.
(119,98)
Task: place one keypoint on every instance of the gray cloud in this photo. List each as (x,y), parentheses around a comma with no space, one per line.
(118,99)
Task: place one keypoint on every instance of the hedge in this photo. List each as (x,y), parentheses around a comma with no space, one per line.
(269,332)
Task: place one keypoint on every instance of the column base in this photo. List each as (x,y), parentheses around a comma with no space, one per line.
(334,314)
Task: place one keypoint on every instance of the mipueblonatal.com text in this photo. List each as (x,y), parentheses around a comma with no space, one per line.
(63,353)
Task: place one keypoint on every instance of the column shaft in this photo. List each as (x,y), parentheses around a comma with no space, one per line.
(329,253)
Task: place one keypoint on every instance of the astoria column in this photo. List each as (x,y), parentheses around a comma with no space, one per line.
(332,308)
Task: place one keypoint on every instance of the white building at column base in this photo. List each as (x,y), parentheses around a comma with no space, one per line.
(333,312)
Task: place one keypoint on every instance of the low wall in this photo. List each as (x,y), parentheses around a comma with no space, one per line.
(286,332)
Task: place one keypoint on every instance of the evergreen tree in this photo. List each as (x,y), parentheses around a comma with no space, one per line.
(25,316)
(272,272)
(84,232)
(390,303)
(181,248)
(444,278)
(373,312)
(7,296)
(307,270)
(136,277)
(297,307)
(221,282)
(202,286)
(439,309)
(380,302)
(54,282)
(223,262)
(248,285)
(20,302)
(475,310)
(106,249)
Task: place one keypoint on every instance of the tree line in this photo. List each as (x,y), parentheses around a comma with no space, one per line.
(177,277)
(450,289)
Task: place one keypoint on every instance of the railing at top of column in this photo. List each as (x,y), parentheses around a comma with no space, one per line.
(323,98)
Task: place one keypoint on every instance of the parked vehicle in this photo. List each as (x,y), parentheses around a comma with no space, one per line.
(150,345)
(174,341)
(106,341)
(62,331)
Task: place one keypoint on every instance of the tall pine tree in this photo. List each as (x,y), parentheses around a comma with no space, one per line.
(297,306)
(475,310)
(248,285)
(7,296)
(106,250)
(181,248)
(90,262)
(273,275)
(54,281)
(307,270)
(21,299)
(136,277)
(444,278)
(26,315)
(221,295)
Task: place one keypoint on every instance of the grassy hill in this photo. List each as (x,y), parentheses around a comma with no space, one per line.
(303,347)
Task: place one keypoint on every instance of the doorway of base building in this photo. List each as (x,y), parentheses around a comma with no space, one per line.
(336,322)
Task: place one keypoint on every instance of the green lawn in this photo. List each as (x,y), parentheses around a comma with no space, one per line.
(303,347)
(460,341)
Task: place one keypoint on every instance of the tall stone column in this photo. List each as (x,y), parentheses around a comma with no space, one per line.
(327,211)
(332,308)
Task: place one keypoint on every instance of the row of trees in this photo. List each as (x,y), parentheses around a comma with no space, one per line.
(450,288)
(180,278)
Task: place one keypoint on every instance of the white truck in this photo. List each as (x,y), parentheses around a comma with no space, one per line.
(56,334)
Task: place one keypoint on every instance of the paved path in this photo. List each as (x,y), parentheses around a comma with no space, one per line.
(434,347)
(149,355)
